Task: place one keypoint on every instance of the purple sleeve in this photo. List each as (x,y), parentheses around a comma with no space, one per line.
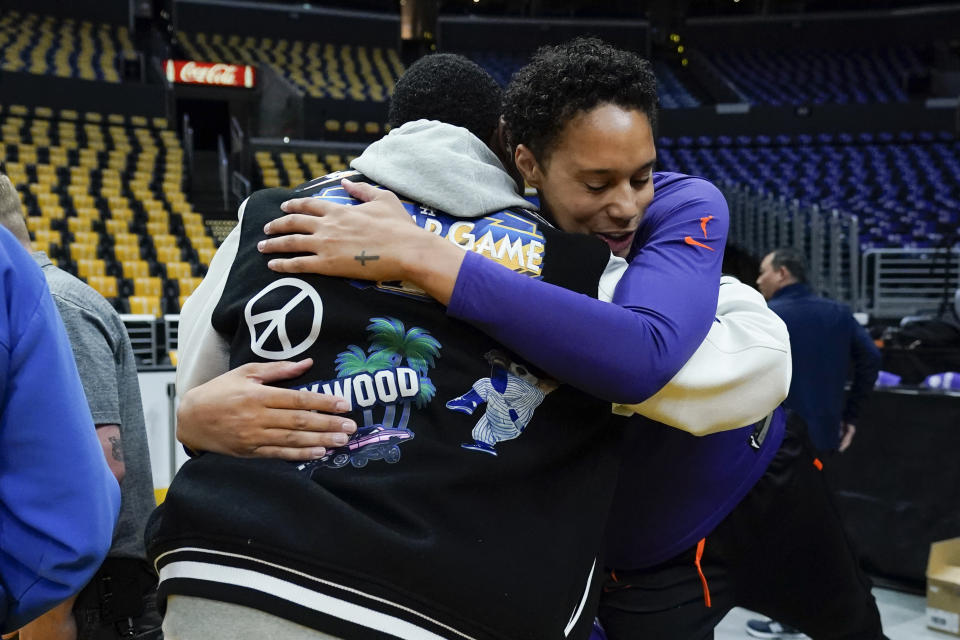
(623,352)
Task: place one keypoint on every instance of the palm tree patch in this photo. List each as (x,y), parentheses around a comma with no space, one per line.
(390,374)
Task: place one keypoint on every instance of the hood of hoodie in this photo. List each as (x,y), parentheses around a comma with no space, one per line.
(443,167)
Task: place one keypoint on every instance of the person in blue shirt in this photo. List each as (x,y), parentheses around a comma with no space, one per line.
(58,499)
(825,338)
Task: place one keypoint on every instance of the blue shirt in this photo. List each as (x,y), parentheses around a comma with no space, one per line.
(824,338)
(58,500)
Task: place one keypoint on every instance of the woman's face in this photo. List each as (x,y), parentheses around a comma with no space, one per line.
(598,179)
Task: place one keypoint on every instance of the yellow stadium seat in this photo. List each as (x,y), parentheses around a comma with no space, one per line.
(77,225)
(135,268)
(188,285)
(87,268)
(126,239)
(158,228)
(192,219)
(48,235)
(164,240)
(168,254)
(351,126)
(105,285)
(332,125)
(201,241)
(116,226)
(147,286)
(126,252)
(177,270)
(80,251)
(124,213)
(54,212)
(37,223)
(206,254)
(145,305)
(195,230)
(88,213)
(86,237)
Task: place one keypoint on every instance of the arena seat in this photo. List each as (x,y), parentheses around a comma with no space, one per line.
(178,270)
(84,252)
(287,169)
(64,47)
(147,286)
(91,267)
(358,72)
(673,93)
(819,76)
(105,285)
(103,192)
(169,254)
(145,305)
(905,194)
(135,269)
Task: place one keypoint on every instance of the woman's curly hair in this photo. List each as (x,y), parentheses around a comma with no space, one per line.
(561,81)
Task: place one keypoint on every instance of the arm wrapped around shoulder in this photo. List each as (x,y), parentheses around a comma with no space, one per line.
(738,375)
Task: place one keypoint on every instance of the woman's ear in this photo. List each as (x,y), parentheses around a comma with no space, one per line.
(528,166)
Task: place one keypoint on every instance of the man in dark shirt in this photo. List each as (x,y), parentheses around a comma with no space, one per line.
(824,338)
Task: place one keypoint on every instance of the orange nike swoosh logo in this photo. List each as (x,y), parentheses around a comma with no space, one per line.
(703,224)
(693,242)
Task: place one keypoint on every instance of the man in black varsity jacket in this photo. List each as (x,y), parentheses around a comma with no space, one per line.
(413,543)
(402,532)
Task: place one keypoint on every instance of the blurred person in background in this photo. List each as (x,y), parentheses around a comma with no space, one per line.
(826,340)
(58,499)
(120,599)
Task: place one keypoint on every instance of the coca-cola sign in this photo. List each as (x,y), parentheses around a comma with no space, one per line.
(217,74)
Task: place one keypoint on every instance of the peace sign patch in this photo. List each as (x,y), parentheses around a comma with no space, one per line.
(275,332)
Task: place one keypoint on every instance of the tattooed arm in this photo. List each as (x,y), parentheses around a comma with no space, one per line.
(112,443)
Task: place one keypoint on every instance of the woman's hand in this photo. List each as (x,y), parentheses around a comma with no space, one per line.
(377,240)
(237,414)
(366,241)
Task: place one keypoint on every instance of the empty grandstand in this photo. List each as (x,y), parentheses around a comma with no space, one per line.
(64,47)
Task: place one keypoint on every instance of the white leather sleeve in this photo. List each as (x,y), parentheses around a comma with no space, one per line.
(737,376)
(202,353)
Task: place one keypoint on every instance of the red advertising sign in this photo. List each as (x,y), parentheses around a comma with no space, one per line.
(216,74)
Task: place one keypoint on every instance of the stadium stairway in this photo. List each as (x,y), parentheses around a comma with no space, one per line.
(205,193)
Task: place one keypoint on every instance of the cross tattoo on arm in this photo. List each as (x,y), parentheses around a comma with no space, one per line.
(363,257)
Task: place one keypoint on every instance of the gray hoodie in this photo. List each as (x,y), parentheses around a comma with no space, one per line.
(442,166)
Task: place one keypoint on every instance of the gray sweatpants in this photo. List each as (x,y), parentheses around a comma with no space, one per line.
(190,618)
